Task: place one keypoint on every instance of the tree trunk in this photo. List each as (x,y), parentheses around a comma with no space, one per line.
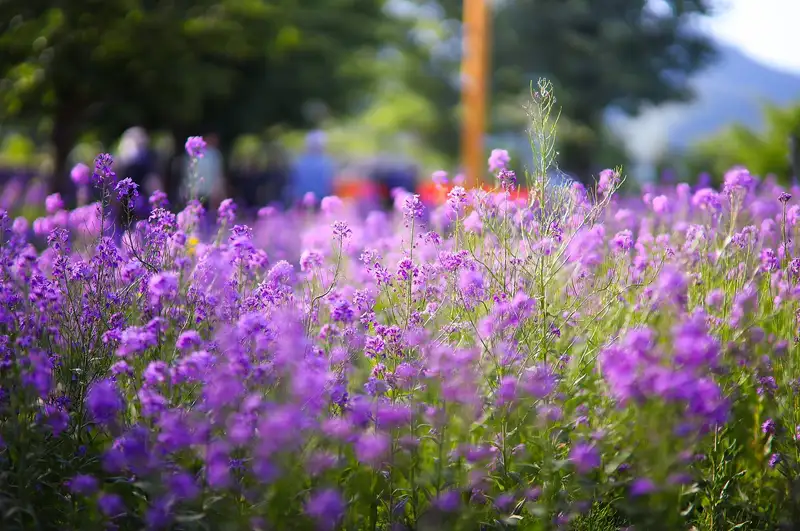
(63,138)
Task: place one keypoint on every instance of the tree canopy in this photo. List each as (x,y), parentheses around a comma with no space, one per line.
(763,152)
(599,54)
(239,66)
(184,66)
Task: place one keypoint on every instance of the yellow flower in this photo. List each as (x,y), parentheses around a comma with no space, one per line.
(191,245)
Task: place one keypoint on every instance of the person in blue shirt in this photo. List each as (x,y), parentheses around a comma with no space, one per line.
(313,171)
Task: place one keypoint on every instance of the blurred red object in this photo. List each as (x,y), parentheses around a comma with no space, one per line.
(356,189)
(435,194)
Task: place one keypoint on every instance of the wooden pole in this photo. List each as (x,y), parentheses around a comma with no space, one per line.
(474,81)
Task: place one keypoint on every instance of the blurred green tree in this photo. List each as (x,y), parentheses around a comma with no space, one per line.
(763,152)
(231,66)
(599,54)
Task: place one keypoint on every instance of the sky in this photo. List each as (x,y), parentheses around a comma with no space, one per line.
(765,30)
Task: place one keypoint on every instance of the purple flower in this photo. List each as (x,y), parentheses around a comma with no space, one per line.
(127,192)
(784,197)
(111,505)
(642,487)
(83,484)
(738,178)
(715,298)
(606,182)
(498,160)
(103,174)
(774,459)
(768,427)
(104,401)
(53,203)
(707,199)
(672,286)
(371,447)
(182,485)
(195,147)
(163,285)
(769,260)
(412,208)
(80,174)
(326,507)
(158,199)
(310,259)
(57,419)
(584,457)
(157,372)
(457,199)
(448,501)
(227,210)
(507,178)
(188,339)
(341,230)
(661,204)
(439,177)
(623,241)
(539,381)
(507,390)
(281,273)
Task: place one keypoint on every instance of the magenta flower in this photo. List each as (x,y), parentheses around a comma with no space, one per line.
(498,160)
(584,457)
(195,147)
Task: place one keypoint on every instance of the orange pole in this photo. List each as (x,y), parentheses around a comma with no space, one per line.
(474,79)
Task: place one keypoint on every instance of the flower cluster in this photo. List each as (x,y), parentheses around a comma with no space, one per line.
(582,361)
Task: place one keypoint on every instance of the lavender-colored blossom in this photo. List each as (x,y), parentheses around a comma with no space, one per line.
(439,177)
(53,203)
(661,204)
(498,160)
(103,175)
(326,507)
(84,485)
(606,182)
(738,179)
(163,285)
(80,174)
(370,448)
(127,192)
(412,208)
(188,339)
(642,487)
(195,147)
(584,457)
(707,199)
(227,211)
(111,505)
(104,401)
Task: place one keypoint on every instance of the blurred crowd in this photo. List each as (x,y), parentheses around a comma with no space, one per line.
(283,180)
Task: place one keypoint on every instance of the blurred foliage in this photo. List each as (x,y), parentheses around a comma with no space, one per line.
(224,65)
(599,54)
(762,152)
(17,151)
(365,68)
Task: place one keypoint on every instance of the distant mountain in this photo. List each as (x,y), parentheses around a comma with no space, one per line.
(731,90)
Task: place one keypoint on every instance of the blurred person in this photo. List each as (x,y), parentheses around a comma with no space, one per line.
(313,171)
(207,181)
(137,161)
(276,175)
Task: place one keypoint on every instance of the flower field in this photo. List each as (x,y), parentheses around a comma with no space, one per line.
(572,359)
